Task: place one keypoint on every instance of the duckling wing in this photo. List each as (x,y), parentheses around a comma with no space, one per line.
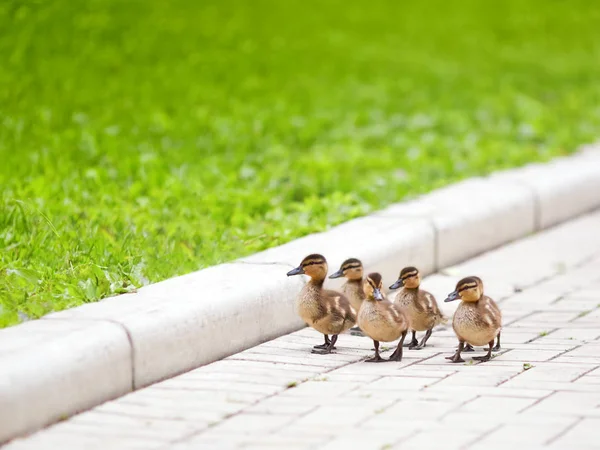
(338,306)
(396,314)
(491,309)
(426,303)
(433,307)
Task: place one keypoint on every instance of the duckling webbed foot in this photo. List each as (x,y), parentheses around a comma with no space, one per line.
(397,355)
(377,357)
(487,357)
(325,348)
(423,342)
(497,346)
(456,357)
(325,345)
(468,348)
(413,342)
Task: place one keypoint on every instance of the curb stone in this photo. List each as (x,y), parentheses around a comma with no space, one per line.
(72,360)
(52,369)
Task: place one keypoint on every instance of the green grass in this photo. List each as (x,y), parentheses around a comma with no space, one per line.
(144,139)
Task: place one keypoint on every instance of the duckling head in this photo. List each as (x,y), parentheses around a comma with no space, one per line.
(352,269)
(372,287)
(409,278)
(315,266)
(480,282)
(469,289)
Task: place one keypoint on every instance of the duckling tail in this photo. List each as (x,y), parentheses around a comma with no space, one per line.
(441,320)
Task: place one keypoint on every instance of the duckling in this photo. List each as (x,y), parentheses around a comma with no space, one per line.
(352,269)
(380,319)
(328,312)
(497,347)
(477,319)
(420,306)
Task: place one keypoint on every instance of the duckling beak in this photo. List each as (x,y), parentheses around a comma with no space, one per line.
(297,271)
(338,274)
(452,296)
(399,283)
(377,295)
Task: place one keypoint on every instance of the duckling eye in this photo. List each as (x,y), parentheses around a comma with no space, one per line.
(467,287)
(311,263)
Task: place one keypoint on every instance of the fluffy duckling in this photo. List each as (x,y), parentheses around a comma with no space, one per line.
(328,312)
(477,319)
(380,319)
(352,269)
(421,307)
(497,347)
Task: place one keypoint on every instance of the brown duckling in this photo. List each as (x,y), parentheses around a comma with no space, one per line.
(497,347)
(328,312)
(380,319)
(352,270)
(421,307)
(477,319)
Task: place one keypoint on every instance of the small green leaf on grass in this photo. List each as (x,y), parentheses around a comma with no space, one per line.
(291,384)
(527,366)
(28,275)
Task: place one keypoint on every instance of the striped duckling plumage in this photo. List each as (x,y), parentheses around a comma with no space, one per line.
(327,311)
(477,320)
(497,347)
(380,319)
(420,306)
(352,270)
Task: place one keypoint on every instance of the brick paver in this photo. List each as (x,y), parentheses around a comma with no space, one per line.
(542,390)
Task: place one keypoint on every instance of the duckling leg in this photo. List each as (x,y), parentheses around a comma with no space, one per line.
(487,357)
(424,340)
(377,357)
(456,357)
(468,348)
(397,355)
(325,345)
(497,346)
(413,342)
(330,346)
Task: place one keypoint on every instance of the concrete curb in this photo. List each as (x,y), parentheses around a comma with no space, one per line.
(75,359)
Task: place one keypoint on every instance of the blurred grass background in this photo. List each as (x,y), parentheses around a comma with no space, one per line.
(144,139)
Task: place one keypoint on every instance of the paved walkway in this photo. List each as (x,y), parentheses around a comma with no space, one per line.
(542,390)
